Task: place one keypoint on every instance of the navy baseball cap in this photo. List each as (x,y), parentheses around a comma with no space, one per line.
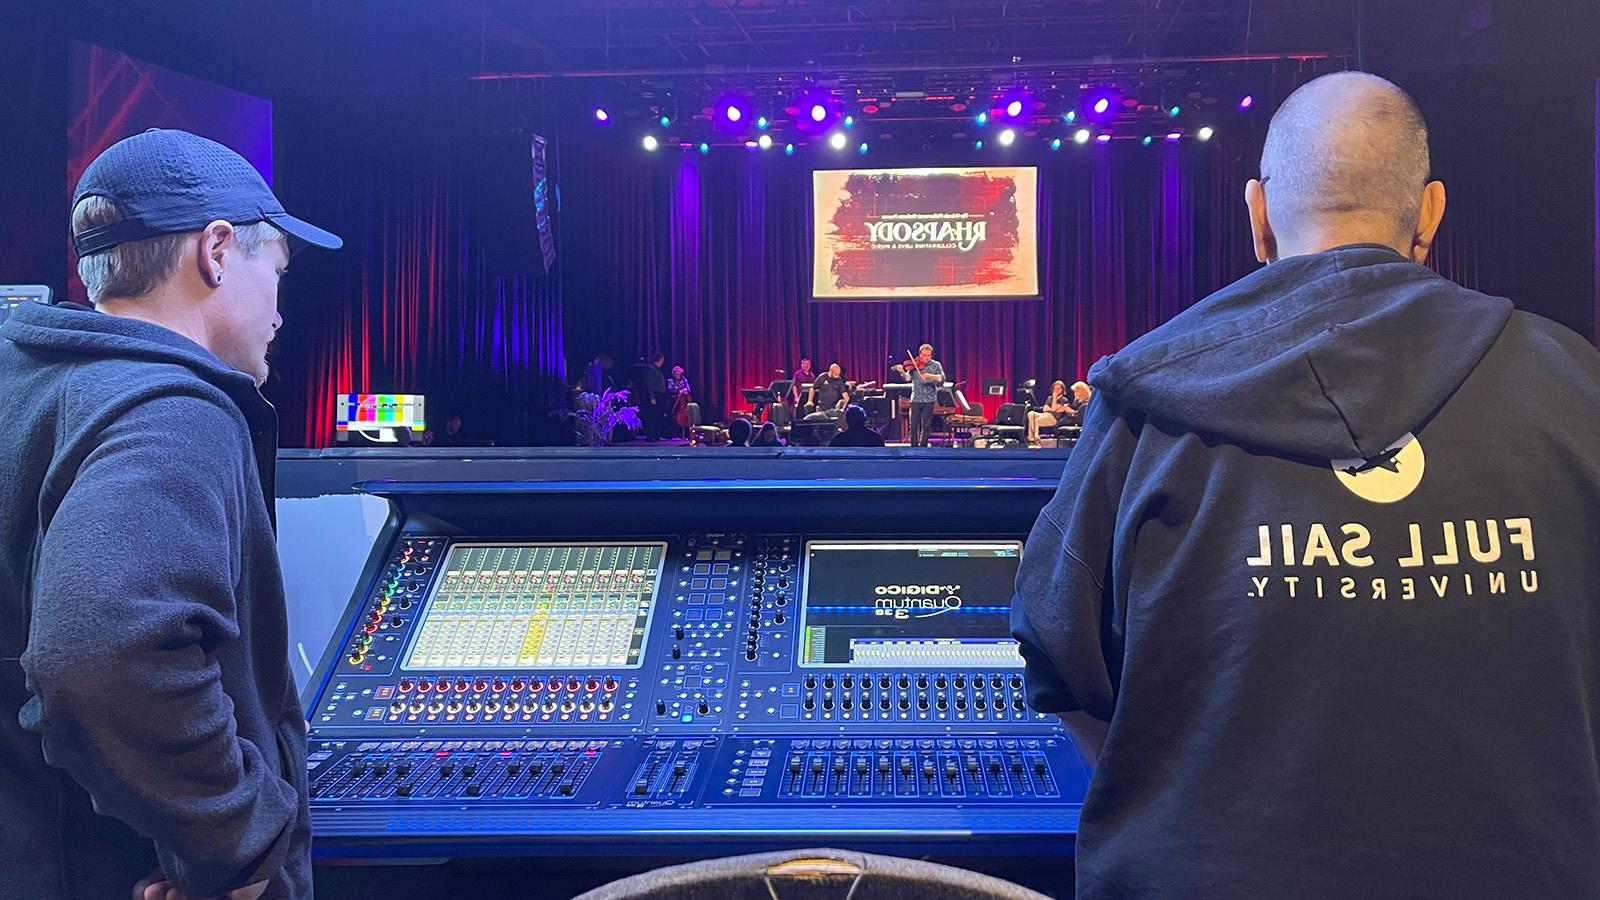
(168,182)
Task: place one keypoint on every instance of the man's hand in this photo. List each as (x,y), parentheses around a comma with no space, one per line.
(155,886)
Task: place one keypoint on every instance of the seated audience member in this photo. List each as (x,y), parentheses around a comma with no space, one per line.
(1333,637)
(739,433)
(856,432)
(767,437)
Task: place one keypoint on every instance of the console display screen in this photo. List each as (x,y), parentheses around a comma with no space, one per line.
(536,606)
(922,603)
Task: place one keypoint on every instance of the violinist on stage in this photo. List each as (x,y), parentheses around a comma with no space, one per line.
(926,375)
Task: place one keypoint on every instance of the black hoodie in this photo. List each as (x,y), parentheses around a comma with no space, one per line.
(1292,562)
(147,711)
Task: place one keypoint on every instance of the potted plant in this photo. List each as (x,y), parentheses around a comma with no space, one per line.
(597,416)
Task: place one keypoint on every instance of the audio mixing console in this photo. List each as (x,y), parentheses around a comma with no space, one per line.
(490,695)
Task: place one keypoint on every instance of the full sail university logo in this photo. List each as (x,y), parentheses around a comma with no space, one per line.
(1389,477)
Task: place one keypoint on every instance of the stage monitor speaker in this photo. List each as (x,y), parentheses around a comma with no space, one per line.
(812,434)
(879,409)
(994,387)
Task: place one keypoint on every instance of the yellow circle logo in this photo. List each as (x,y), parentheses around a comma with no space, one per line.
(1390,476)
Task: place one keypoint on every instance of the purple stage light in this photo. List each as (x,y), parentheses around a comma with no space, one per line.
(815,111)
(734,113)
(1247,101)
(1014,105)
(1100,103)
(601,116)
(1174,136)
(1103,138)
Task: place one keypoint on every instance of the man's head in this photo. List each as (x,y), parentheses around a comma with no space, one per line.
(181,231)
(739,432)
(1345,161)
(805,363)
(452,425)
(1081,392)
(925,352)
(855,416)
(656,359)
(835,370)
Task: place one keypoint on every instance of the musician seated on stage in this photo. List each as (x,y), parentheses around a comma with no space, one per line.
(1340,635)
(678,383)
(1057,407)
(829,392)
(856,433)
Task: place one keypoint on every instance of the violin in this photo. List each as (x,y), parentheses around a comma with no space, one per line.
(912,363)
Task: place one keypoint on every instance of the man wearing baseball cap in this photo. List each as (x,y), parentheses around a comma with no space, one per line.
(151,742)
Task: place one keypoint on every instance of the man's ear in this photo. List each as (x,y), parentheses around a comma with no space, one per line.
(1428,219)
(1255,200)
(210,260)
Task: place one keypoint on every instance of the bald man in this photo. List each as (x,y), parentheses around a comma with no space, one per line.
(1336,637)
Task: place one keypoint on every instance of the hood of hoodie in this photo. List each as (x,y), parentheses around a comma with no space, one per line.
(1334,355)
(73,331)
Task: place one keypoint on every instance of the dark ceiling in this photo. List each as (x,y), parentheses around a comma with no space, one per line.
(291,48)
(649,54)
